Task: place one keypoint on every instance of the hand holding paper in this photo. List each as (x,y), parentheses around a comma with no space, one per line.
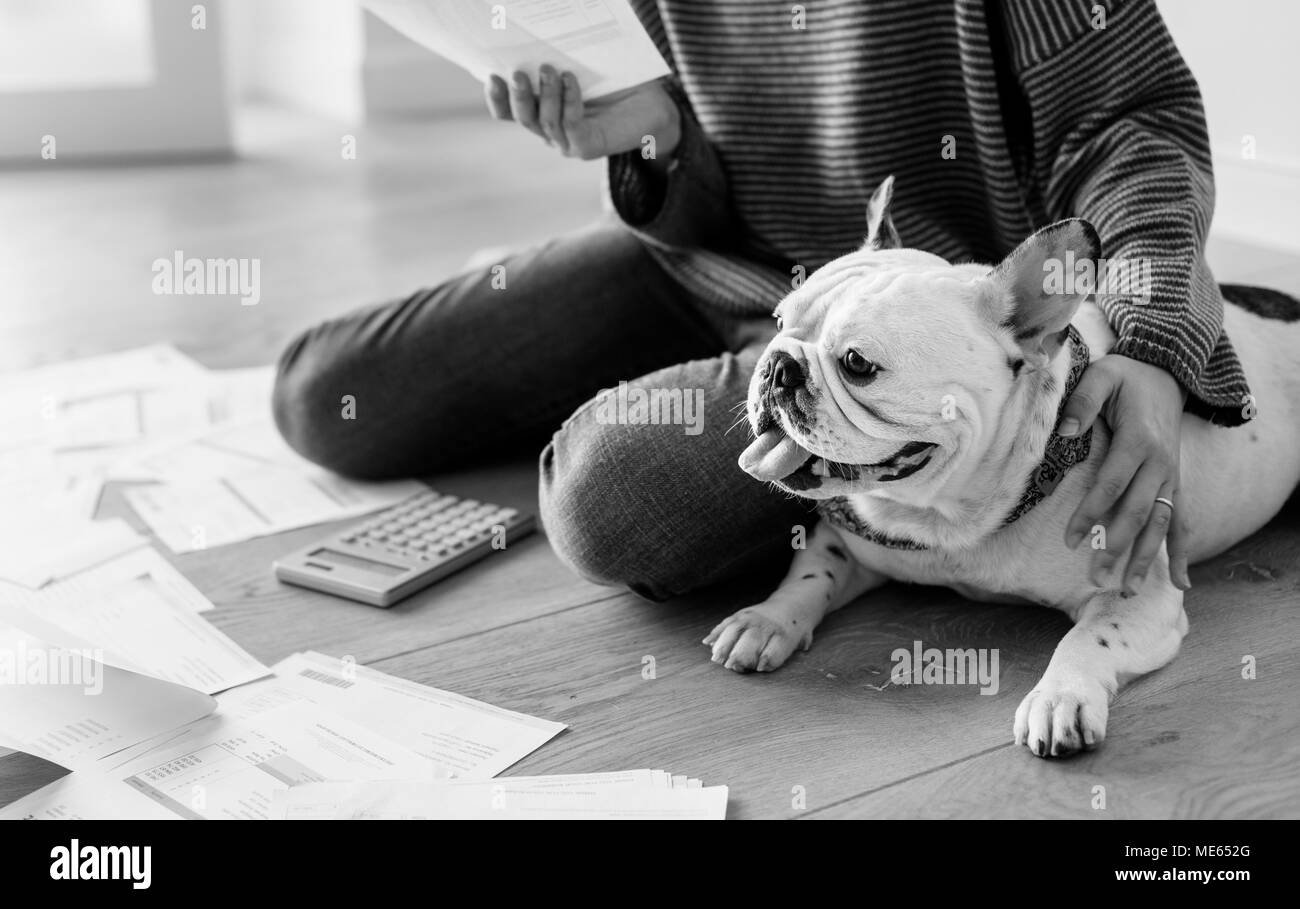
(599,41)
(645,117)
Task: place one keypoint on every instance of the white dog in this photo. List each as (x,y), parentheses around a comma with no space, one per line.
(917,401)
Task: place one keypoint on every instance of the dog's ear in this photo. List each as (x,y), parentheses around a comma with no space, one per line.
(1036,290)
(880,226)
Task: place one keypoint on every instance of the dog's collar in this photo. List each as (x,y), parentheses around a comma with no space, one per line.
(1060,455)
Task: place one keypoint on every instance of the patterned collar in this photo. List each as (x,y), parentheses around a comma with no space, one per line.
(1060,455)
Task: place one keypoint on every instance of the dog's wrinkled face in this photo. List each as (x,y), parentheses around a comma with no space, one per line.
(879,374)
(891,367)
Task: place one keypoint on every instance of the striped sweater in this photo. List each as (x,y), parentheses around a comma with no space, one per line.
(995,116)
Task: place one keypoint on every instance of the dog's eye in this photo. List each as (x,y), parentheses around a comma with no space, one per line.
(855,364)
(780,324)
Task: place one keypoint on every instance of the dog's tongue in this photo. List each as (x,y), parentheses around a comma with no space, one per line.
(772,456)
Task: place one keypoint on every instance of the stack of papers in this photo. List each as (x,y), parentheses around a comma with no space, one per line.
(62,701)
(137,613)
(69,421)
(109,667)
(204,438)
(324,738)
(90,596)
(108,657)
(317,719)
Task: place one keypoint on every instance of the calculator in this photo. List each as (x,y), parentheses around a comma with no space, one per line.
(405,548)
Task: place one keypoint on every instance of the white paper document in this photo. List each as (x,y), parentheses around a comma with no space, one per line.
(318,719)
(213,454)
(230,769)
(240,433)
(135,396)
(459,736)
(82,413)
(33,486)
(635,795)
(139,627)
(123,369)
(36,551)
(142,615)
(60,700)
(226,769)
(68,426)
(256,502)
(600,41)
(86,796)
(144,562)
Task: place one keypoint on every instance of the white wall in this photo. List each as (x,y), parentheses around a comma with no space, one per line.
(331,58)
(1245,56)
(303,53)
(172,104)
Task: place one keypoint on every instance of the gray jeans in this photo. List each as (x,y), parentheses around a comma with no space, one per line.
(464,372)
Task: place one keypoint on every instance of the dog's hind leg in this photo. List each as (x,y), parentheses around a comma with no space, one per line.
(1114,639)
(822,578)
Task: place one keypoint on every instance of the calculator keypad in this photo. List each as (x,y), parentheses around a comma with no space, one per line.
(431,527)
(390,555)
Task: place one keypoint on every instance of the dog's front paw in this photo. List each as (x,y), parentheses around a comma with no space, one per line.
(753,640)
(1060,718)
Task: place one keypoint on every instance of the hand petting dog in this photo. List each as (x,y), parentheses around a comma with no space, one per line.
(1144,406)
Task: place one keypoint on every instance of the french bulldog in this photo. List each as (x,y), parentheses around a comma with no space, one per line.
(917,402)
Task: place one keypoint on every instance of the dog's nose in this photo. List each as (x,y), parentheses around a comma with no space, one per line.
(786,371)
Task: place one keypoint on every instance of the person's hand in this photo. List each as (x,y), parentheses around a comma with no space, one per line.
(1144,406)
(613,124)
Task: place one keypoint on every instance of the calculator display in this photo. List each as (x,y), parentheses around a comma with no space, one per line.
(334,557)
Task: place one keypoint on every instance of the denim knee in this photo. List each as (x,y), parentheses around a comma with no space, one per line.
(592,505)
(309,408)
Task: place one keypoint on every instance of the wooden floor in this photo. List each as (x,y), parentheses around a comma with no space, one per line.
(825,732)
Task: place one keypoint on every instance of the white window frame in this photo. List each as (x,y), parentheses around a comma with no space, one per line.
(185,110)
